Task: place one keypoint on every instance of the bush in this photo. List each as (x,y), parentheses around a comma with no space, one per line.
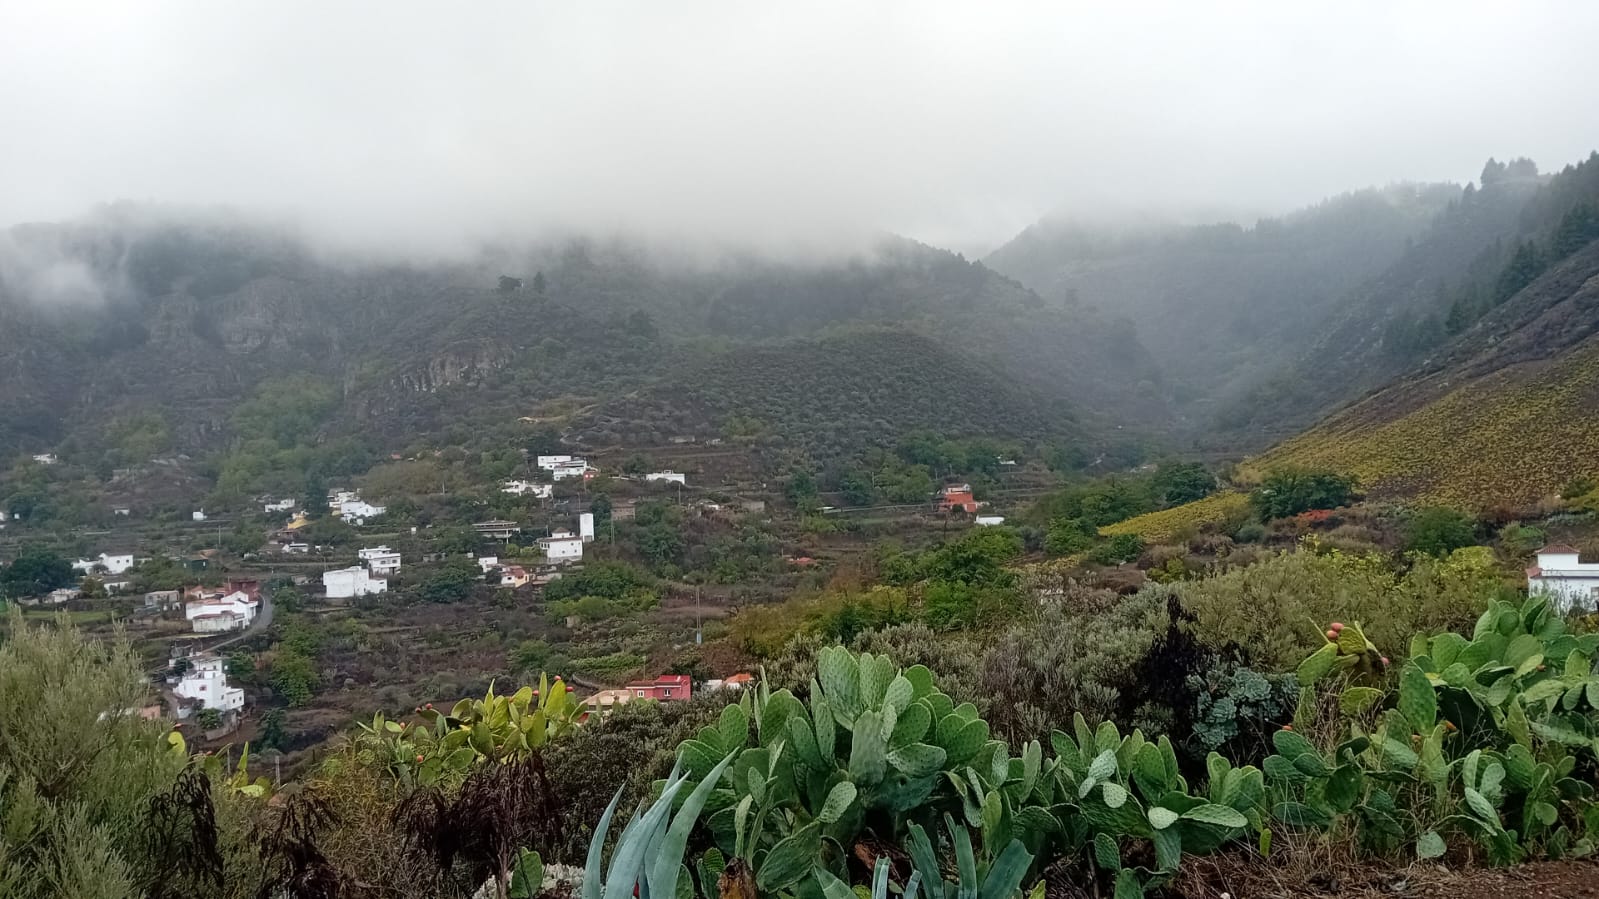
(1290,491)
(1264,607)
(1116,550)
(1439,531)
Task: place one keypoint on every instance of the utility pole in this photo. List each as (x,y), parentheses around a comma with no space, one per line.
(699,633)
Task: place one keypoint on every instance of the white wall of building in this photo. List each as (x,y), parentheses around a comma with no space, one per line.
(348,583)
(1570,583)
(585,527)
(567,548)
(675,477)
(207,682)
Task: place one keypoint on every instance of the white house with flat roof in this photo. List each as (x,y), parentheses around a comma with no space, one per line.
(1570,583)
(113,564)
(667,476)
(380,559)
(348,583)
(562,546)
(206,682)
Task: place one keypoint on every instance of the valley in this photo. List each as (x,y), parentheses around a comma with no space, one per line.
(316,500)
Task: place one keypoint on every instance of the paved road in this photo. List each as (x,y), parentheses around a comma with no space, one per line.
(263,620)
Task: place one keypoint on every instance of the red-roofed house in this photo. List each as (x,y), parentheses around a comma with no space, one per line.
(957,496)
(666,688)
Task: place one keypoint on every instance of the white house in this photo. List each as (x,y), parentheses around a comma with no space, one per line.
(577,468)
(348,583)
(585,527)
(675,477)
(514,576)
(206,681)
(358,511)
(279,505)
(227,613)
(562,546)
(486,563)
(988,521)
(550,463)
(46,459)
(527,488)
(113,564)
(122,513)
(296,548)
(198,515)
(380,559)
(1560,574)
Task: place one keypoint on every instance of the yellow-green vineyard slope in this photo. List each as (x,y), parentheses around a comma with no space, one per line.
(1507,438)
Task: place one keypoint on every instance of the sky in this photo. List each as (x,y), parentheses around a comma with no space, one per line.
(428,127)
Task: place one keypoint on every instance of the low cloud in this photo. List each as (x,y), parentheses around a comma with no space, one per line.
(428,130)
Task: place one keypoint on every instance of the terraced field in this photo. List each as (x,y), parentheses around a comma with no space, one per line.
(1504,439)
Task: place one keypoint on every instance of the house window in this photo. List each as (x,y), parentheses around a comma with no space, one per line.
(641,694)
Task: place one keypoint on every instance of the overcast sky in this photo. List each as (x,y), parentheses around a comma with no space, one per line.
(434,124)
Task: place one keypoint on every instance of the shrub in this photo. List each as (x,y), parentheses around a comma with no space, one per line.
(1439,531)
(1292,490)
(1263,607)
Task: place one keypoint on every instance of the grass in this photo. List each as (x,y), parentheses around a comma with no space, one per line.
(1507,439)
(1166,524)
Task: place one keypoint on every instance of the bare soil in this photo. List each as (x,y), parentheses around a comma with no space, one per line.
(1537,880)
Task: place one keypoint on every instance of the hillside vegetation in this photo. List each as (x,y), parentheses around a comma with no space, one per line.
(1505,425)
(1223,305)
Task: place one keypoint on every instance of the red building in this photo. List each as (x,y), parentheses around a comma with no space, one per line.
(666,688)
(957,496)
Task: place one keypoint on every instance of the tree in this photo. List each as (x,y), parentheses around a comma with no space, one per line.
(538,283)
(1182,482)
(601,507)
(35,572)
(543,440)
(241,665)
(636,465)
(272,732)
(294,677)
(209,719)
(640,324)
(800,488)
(509,284)
(1068,535)
(314,496)
(1289,491)
(856,485)
(452,582)
(1523,268)
(1439,531)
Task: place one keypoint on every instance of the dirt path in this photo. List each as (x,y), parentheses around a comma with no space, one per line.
(1537,880)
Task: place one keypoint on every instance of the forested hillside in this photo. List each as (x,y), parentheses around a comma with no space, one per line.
(1507,416)
(1223,305)
(172,324)
(1435,303)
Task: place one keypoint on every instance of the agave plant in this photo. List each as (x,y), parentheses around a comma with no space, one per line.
(648,856)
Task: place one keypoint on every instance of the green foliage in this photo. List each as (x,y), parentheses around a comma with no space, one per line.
(1238,706)
(1116,550)
(495,729)
(606,579)
(1439,531)
(294,676)
(34,572)
(648,856)
(1290,490)
(451,582)
(1068,536)
(1480,740)
(1264,607)
(78,766)
(1175,483)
